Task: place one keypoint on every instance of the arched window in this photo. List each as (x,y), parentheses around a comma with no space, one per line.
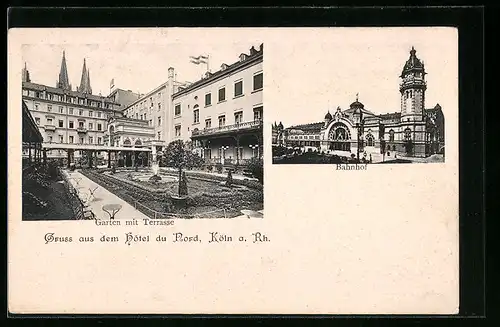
(370,141)
(407,136)
(393,148)
(391,135)
(127,142)
(138,142)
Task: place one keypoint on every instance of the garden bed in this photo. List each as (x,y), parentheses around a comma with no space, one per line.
(206,199)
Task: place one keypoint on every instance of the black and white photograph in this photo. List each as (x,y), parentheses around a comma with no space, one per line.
(376,96)
(162,127)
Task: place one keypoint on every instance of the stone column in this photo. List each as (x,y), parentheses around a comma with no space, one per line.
(133,158)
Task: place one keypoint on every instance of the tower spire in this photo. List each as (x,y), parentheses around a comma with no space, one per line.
(63,82)
(85,80)
(25,73)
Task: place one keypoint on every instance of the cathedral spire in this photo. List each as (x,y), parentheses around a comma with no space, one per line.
(85,80)
(63,82)
(26,74)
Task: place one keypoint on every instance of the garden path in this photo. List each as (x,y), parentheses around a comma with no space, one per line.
(100,197)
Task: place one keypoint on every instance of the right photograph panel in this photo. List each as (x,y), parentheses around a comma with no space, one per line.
(378,97)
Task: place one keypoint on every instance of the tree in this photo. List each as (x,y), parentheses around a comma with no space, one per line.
(179,155)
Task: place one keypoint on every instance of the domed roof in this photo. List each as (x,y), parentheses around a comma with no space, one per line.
(357,105)
(328,115)
(413,63)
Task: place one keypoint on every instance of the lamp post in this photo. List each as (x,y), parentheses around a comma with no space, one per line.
(253,147)
(223,153)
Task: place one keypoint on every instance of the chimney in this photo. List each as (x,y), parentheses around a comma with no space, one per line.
(252,50)
(261,47)
(170,72)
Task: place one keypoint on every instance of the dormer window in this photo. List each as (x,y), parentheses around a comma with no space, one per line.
(243,57)
(223,67)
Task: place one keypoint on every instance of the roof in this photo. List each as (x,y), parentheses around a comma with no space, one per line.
(312,127)
(258,55)
(365,111)
(41,87)
(31,133)
(413,63)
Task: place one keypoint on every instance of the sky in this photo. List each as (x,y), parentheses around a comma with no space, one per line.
(307,71)
(137,59)
(321,69)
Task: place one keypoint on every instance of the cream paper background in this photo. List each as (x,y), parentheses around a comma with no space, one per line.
(336,246)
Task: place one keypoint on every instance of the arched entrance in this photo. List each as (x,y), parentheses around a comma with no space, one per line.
(339,137)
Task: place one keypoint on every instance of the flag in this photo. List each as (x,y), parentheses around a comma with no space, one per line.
(199,59)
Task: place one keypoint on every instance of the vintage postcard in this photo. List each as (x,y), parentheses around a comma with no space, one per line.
(140,160)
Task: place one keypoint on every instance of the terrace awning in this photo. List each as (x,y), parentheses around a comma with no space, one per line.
(31,134)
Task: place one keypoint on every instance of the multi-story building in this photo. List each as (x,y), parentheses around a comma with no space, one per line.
(155,110)
(222,113)
(413,131)
(67,116)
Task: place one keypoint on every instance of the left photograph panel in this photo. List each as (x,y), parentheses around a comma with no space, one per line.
(151,129)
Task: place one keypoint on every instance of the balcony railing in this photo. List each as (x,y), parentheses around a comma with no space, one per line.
(81,130)
(50,127)
(229,128)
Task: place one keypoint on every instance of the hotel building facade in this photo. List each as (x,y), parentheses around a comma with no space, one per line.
(222,113)
(66,116)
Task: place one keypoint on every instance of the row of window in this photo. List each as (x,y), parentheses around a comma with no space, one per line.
(71,124)
(409,94)
(65,98)
(238,91)
(142,104)
(71,139)
(141,116)
(238,118)
(71,111)
(304,137)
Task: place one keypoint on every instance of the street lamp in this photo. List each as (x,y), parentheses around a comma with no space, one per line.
(253,147)
(223,154)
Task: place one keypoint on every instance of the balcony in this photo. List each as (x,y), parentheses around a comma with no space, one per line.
(236,128)
(81,130)
(50,128)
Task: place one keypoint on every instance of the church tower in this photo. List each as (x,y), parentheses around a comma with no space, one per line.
(63,82)
(25,74)
(412,89)
(85,80)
